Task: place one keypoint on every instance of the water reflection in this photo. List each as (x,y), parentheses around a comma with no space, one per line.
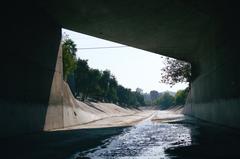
(145,140)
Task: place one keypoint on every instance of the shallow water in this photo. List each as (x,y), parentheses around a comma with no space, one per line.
(148,139)
(179,137)
(170,137)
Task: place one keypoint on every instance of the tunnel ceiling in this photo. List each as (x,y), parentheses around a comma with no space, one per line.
(169,27)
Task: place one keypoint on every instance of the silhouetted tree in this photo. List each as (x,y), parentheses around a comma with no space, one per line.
(69,57)
(112,90)
(122,94)
(82,77)
(104,83)
(175,71)
(93,87)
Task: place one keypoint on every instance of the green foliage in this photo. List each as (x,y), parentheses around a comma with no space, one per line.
(95,84)
(122,94)
(104,83)
(81,77)
(128,98)
(69,57)
(103,86)
(112,90)
(139,99)
(94,89)
(180,97)
(165,101)
(175,71)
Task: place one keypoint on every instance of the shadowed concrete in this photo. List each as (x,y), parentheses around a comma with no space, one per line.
(31,40)
(202,32)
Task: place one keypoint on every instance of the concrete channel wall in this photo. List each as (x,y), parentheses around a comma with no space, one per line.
(28,66)
(214,94)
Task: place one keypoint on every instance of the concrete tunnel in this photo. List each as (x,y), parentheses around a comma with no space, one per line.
(204,33)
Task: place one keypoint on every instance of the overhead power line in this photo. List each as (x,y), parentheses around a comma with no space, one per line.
(105,47)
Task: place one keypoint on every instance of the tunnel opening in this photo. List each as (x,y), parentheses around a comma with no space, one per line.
(33,94)
(130,65)
(180,134)
(95,101)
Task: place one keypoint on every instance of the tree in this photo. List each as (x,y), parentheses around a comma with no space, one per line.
(180,97)
(112,90)
(69,57)
(139,99)
(154,95)
(165,101)
(104,83)
(82,77)
(93,88)
(139,90)
(122,94)
(175,71)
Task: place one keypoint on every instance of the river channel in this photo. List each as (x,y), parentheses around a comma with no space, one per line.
(181,137)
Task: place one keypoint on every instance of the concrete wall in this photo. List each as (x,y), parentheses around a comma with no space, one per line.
(54,114)
(215,89)
(29,50)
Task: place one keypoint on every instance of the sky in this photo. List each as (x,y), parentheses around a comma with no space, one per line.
(133,68)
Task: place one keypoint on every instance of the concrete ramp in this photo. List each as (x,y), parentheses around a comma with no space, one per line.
(71,112)
(63,109)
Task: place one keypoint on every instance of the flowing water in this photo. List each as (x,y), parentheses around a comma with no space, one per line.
(172,137)
(145,140)
(179,137)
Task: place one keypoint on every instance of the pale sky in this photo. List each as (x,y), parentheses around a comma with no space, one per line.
(133,68)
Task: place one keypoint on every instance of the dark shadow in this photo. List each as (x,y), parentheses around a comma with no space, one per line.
(208,141)
(29,52)
(54,145)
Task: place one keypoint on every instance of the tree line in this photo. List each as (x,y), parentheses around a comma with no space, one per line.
(166,100)
(94,84)
(103,86)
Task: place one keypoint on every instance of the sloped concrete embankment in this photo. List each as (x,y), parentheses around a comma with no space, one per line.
(64,110)
(73,112)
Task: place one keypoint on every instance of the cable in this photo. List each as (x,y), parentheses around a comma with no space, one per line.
(107,47)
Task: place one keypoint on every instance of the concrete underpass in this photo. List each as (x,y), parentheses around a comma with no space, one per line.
(204,33)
